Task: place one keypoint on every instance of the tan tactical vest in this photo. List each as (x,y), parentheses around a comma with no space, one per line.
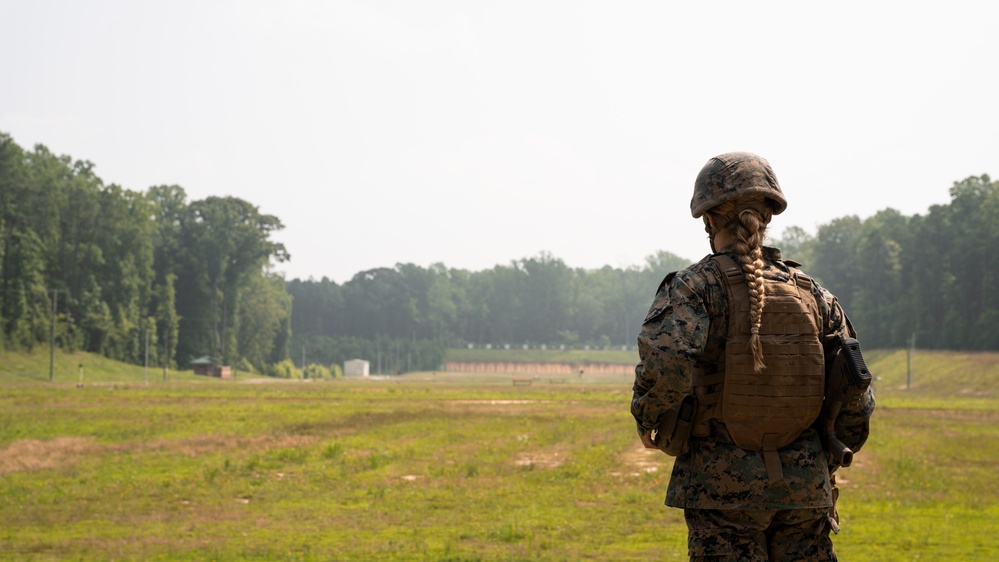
(768,410)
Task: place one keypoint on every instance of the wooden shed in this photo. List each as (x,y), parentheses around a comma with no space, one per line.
(211,367)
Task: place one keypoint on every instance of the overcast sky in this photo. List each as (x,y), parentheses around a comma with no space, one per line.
(477,133)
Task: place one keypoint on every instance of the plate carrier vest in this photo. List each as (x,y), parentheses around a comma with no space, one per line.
(764,411)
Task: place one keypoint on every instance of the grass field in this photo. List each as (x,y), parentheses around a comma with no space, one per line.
(438,467)
(576,356)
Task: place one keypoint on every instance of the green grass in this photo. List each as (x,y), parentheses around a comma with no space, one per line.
(68,368)
(438,467)
(615,356)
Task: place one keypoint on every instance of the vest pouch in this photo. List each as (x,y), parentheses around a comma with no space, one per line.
(674,429)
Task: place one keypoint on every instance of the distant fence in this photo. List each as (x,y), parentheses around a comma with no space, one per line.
(515,367)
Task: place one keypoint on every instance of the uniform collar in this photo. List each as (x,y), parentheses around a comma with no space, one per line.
(769,253)
(772,254)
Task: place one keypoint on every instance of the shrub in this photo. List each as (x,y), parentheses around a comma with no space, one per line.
(284,370)
(243,365)
(316,371)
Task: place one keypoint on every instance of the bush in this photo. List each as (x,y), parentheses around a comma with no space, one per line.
(244,366)
(284,370)
(316,371)
(336,371)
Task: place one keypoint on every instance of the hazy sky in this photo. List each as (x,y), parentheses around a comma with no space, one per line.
(477,133)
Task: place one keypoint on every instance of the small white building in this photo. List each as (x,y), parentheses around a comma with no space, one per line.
(356,368)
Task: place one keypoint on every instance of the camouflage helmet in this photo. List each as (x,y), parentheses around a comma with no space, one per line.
(731,175)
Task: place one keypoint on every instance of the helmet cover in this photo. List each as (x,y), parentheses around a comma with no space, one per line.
(731,175)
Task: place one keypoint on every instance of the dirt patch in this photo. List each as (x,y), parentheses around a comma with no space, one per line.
(34,454)
(638,460)
(544,459)
(500,402)
(516,406)
(977,392)
(210,444)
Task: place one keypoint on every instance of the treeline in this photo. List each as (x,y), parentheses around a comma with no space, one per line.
(931,277)
(193,278)
(405,317)
(934,277)
(128,273)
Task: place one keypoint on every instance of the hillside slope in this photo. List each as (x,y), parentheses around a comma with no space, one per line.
(937,372)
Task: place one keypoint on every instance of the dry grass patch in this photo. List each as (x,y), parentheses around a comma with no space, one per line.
(35,454)
(546,459)
(638,460)
(211,444)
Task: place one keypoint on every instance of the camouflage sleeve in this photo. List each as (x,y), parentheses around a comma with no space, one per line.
(673,334)
(837,326)
(854,422)
(853,425)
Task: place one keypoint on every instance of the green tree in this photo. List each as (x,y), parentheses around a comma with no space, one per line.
(130,267)
(25,299)
(973,264)
(544,288)
(264,320)
(378,304)
(227,242)
(877,289)
(834,255)
(986,337)
(318,307)
(657,265)
(28,214)
(796,244)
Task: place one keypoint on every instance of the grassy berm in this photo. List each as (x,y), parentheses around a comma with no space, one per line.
(439,466)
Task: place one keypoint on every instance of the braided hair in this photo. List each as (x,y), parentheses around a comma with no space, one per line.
(747,220)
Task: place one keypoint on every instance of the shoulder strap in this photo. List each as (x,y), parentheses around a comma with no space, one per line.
(806,286)
(707,386)
(731,270)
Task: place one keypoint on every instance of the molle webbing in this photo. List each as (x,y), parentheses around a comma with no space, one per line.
(768,410)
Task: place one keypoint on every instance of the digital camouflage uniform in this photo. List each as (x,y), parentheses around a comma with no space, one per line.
(733,511)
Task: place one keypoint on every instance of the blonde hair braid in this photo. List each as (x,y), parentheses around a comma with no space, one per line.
(749,225)
(749,231)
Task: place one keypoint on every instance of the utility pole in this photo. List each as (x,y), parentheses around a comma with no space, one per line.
(147,356)
(55,293)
